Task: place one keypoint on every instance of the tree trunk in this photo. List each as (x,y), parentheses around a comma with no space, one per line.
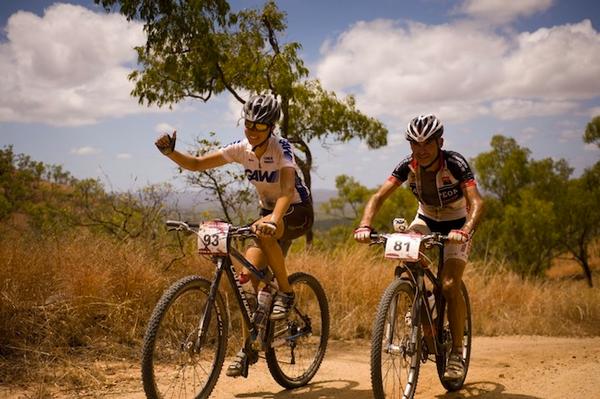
(588,272)
(582,258)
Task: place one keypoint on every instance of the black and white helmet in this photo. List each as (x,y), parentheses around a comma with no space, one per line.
(262,108)
(423,128)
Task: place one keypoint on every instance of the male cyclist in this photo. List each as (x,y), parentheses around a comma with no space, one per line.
(449,203)
(286,212)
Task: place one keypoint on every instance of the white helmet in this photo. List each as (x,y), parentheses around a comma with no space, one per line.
(263,108)
(423,128)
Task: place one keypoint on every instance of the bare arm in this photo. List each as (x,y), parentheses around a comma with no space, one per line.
(375,202)
(475,208)
(187,161)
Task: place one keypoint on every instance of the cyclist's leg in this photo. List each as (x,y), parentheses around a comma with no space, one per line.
(257,258)
(451,288)
(274,256)
(297,220)
(455,260)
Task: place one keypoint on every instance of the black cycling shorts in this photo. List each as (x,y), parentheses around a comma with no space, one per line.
(297,220)
(443,227)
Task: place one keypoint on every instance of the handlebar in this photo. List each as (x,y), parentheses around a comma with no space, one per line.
(427,240)
(190,227)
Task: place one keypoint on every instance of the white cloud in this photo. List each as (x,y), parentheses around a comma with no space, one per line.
(87,150)
(164,128)
(515,108)
(68,67)
(591,147)
(124,155)
(461,71)
(502,11)
(593,112)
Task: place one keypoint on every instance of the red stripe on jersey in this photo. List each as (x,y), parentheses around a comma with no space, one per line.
(469,183)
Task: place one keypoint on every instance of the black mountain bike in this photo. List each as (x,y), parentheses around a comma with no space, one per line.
(186,338)
(411,325)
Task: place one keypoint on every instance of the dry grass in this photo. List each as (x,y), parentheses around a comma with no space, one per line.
(85,296)
(505,304)
(502,303)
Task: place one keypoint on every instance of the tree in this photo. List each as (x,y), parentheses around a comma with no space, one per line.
(352,197)
(503,170)
(350,203)
(592,131)
(225,185)
(579,218)
(199,48)
(526,234)
(524,214)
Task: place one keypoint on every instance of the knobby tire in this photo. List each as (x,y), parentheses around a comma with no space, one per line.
(287,362)
(170,365)
(403,383)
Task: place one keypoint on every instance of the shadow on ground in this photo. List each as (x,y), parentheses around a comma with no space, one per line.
(333,389)
(484,390)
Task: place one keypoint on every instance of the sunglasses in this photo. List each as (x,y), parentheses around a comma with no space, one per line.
(257,126)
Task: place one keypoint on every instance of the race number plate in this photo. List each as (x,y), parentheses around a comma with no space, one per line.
(403,246)
(212,238)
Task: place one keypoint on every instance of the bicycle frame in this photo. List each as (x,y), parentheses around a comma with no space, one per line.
(225,264)
(417,273)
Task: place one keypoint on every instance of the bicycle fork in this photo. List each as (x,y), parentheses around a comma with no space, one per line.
(206,315)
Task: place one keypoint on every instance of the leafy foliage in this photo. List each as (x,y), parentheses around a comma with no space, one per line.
(199,48)
(534,209)
(48,199)
(228,186)
(592,131)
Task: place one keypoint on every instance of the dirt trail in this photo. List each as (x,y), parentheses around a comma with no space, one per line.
(501,368)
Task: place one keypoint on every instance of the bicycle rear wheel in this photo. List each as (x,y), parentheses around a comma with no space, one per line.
(395,357)
(297,344)
(176,362)
(446,338)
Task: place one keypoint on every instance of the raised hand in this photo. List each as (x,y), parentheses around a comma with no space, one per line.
(166,143)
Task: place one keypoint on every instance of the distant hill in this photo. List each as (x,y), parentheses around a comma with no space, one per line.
(196,200)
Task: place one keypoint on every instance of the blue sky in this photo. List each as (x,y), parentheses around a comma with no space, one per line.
(526,69)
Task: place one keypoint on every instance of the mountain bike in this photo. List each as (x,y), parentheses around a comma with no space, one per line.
(186,339)
(411,324)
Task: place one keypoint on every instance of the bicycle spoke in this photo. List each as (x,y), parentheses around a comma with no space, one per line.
(298,343)
(173,366)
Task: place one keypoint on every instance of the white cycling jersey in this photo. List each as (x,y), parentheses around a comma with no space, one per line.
(264,173)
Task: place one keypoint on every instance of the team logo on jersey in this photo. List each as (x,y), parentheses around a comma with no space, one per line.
(287,149)
(261,176)
(446,180)
(268,160)
(450,194)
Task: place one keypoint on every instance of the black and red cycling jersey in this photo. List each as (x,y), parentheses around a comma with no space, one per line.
(440,197)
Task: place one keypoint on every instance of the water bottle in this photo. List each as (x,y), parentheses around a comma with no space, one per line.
(431,301)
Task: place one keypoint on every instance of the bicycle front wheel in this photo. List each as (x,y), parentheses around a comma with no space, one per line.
(395,355)
(297,344)
(176,361)
(442,358)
